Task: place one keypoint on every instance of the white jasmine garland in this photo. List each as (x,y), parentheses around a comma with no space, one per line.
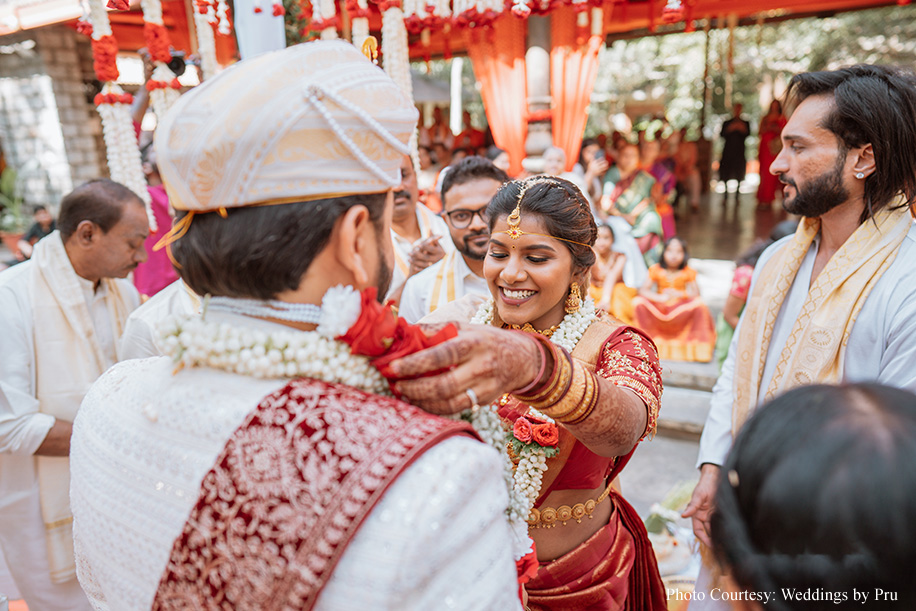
(194,341)
(206,42)
(161,99)
(222,15)
(340,309)
(328,10)
(525,483)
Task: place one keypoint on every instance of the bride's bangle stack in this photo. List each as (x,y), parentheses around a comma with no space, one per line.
(571,392)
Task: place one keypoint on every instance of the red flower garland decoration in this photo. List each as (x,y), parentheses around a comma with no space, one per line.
(84,27)
(279,10)
(104,57)
(384,5)
(321,24)
(383,337)
(157,42)
(119,5)
(153,85)
(113,98)
(203,6)
(355,11)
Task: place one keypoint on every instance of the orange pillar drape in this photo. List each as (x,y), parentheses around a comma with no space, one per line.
(573,69)
(498,56)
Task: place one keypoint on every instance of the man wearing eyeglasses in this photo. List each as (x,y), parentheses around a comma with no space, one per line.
(466,190)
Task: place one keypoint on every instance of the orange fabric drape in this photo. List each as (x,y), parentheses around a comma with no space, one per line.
(573,69)
(498,57)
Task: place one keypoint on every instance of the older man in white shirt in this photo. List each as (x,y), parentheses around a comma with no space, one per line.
(62,312)
(837,301)
(466,191)
(417,233)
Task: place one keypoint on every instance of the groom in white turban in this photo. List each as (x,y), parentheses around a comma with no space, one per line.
(258,467)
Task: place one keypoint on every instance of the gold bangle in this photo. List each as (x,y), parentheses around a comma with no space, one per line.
(547,388)
(554,391)
(588,403)
(567,403)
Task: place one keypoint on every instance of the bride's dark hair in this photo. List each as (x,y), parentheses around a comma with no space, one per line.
(566,213)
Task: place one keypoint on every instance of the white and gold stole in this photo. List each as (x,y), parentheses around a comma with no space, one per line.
(815,350)
(68,359)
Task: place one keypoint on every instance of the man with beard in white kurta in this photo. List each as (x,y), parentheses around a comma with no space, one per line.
(467,189)
(836,301)
(266,472)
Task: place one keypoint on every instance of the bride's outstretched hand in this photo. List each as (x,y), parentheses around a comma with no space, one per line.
(484,359)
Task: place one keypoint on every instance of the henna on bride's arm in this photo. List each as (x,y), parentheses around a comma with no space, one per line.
(488,361)
(617,423)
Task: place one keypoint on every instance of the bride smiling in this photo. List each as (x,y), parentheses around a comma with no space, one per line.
(573,416)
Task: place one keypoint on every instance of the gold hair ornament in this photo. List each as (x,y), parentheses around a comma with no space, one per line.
(515,217)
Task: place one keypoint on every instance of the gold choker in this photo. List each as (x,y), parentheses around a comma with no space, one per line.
(530,329)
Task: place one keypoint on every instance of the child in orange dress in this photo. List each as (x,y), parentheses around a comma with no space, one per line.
(669,308)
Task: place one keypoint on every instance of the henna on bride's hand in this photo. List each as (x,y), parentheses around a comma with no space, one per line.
(443,356)
(431,328)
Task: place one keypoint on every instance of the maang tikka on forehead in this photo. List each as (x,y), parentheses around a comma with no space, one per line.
(515,217)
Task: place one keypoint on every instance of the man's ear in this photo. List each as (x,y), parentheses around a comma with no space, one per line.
(85,232)
(865,161)
(355,241)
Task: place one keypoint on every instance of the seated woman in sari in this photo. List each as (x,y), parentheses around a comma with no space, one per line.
(628,193)
(600,384)
(669,308)
(665,181)
(608,288)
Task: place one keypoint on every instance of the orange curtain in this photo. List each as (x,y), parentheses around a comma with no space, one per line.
(573,69)
(498,57)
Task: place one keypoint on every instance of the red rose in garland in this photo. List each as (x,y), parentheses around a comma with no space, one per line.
(383,337)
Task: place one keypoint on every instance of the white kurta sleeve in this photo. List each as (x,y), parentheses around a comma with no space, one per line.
(717,440)
(717,432)
(438,539)
(898,361)
(411,307)
(22,427)
(137,340)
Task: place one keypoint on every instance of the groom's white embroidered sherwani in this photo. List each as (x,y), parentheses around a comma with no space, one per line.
(59,334)
(151,448)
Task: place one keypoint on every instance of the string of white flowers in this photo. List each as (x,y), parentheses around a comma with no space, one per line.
(360,26)
(222,14)
(121,146)
(206,41)
(197,341)
(98,17)
(328,10)
(397,63)
(525,483)
(161,98)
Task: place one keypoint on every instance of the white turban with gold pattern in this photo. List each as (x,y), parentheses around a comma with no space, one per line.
(313,121)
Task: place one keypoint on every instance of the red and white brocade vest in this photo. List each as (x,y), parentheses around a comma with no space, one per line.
(288,493)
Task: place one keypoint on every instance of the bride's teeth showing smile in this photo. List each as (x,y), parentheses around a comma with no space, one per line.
(517,294)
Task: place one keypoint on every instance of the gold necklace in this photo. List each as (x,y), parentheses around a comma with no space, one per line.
(530,329)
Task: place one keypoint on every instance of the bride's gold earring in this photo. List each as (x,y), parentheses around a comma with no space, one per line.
(574,301)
